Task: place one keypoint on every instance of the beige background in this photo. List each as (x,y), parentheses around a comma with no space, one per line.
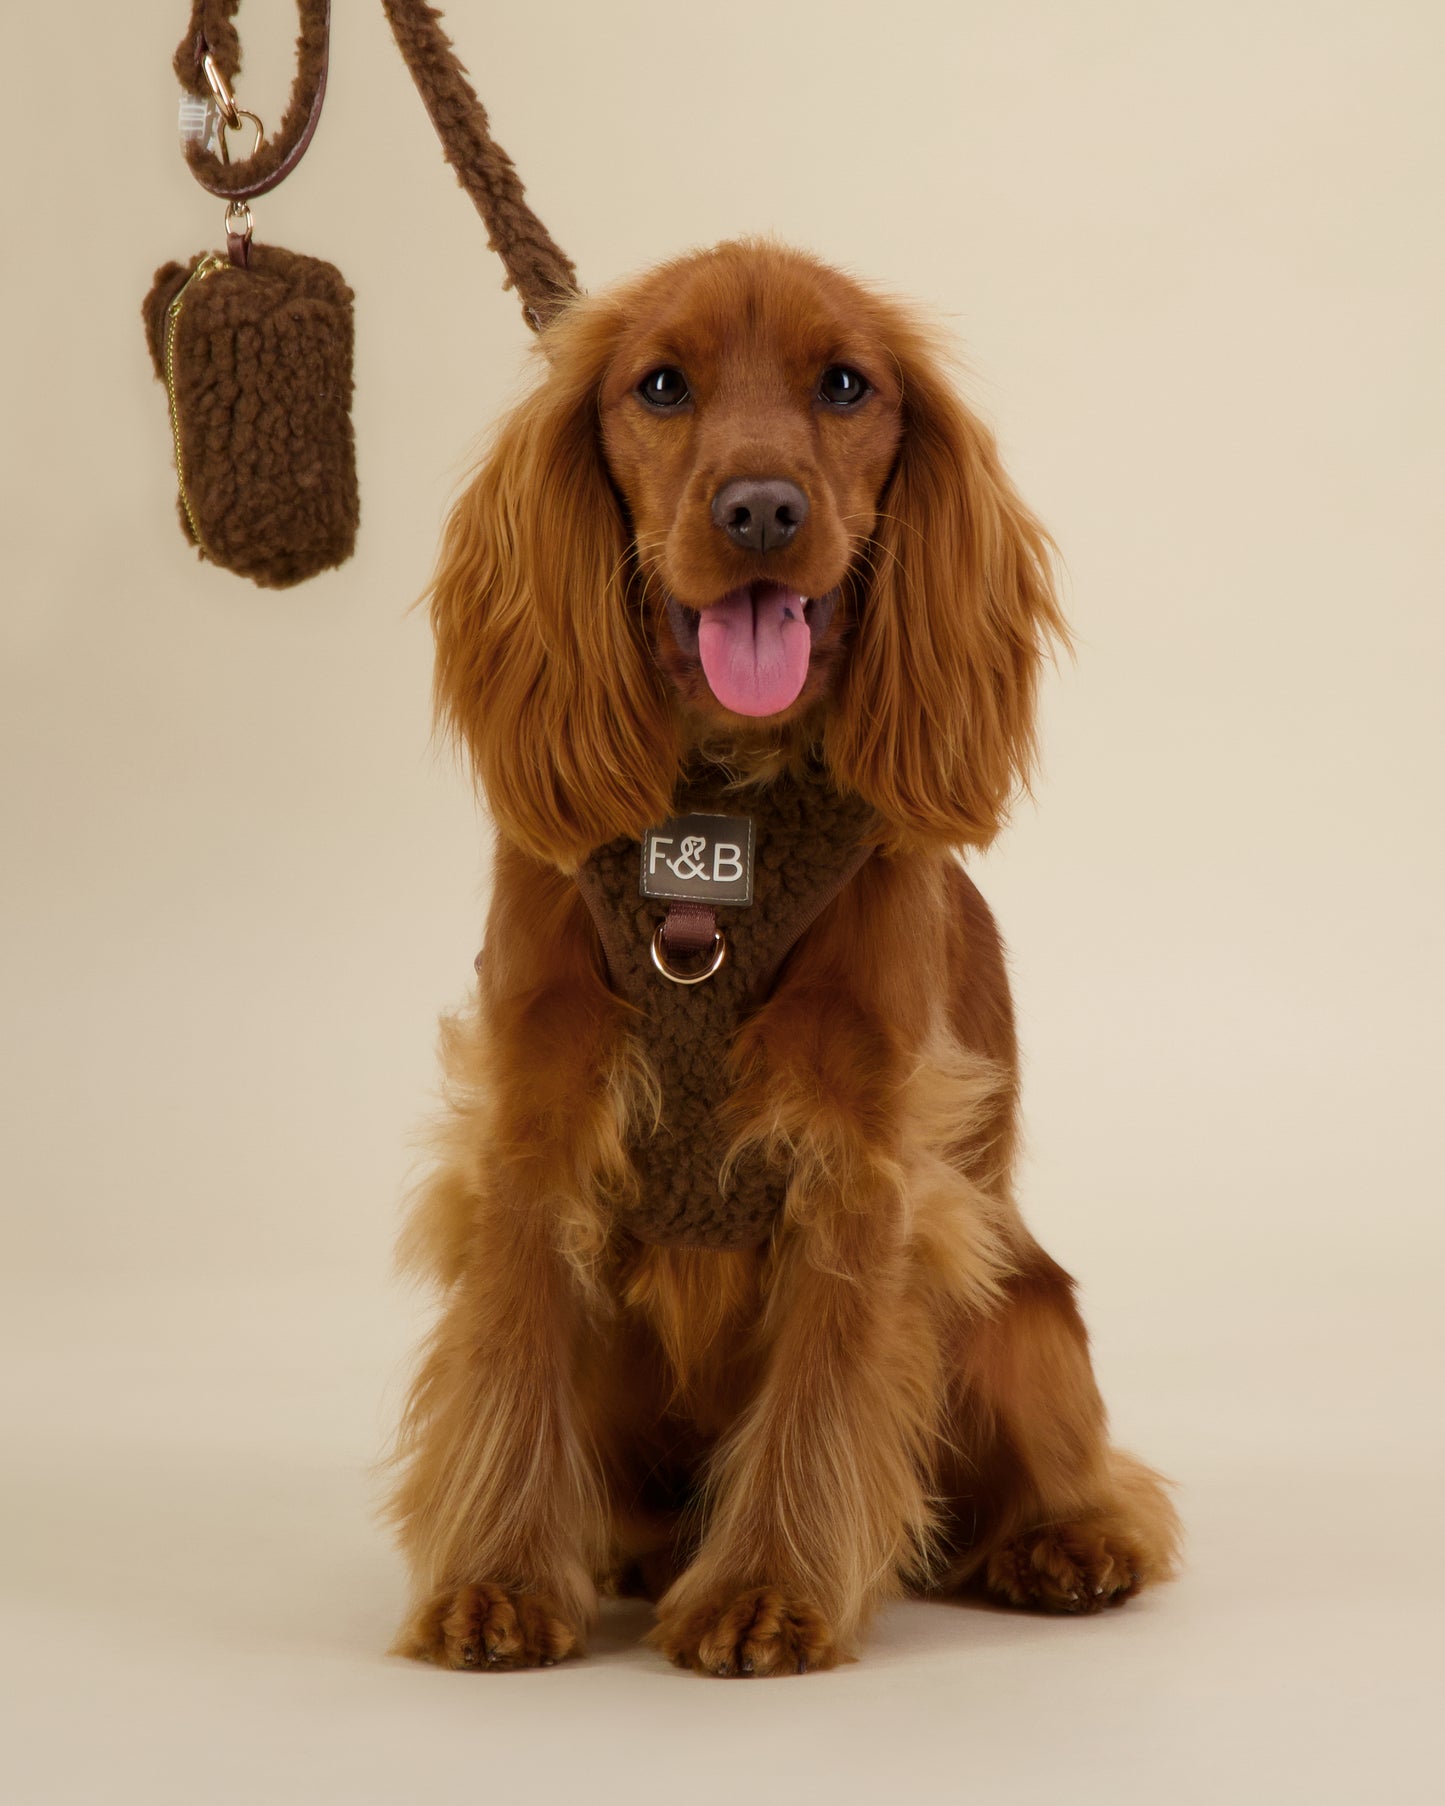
(1193,253)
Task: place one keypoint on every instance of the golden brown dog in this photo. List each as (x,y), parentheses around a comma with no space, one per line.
(745,518)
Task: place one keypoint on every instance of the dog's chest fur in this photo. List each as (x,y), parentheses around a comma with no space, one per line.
(809,841)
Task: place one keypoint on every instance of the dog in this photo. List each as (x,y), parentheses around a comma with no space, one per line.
(745,526)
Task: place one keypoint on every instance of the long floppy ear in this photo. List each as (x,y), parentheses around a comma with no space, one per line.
(542,667)
(935,723)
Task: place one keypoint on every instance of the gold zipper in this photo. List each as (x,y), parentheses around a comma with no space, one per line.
(173,315)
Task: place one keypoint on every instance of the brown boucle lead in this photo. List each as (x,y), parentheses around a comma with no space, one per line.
(211,32)
(536,266)
(257,359)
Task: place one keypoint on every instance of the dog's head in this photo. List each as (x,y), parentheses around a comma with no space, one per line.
(743,510)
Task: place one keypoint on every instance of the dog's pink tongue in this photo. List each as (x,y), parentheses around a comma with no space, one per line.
(754,646)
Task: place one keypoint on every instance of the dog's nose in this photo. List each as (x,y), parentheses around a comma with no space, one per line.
(760,514)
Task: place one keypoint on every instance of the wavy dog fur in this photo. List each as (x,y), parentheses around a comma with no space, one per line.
(895,1392)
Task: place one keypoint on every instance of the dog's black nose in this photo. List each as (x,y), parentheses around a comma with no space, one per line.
(760,514)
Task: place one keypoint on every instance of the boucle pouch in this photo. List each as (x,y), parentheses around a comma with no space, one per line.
(256,361)
(254,345)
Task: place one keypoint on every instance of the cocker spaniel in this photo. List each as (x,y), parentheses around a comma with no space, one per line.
(741,623)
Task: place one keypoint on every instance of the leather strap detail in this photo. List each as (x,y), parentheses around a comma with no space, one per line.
(211,31)
(688,931)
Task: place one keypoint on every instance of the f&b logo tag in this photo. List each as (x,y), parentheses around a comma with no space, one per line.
(699,859)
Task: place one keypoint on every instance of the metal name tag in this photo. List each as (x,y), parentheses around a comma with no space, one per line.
(699,859)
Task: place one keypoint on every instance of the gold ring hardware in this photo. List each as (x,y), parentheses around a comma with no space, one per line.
(659,959)
(239,212)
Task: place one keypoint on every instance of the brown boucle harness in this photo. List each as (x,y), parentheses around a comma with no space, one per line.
(809,842)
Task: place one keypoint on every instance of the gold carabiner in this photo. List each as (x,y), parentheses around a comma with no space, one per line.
(231,114)
(220,87)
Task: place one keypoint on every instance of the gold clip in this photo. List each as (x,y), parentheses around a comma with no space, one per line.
(222,91)
(231,114)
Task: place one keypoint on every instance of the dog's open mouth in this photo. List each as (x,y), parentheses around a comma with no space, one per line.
(754,644)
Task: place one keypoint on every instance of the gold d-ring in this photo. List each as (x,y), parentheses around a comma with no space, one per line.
(659,959)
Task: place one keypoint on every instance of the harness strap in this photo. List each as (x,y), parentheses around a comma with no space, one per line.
(687,931)
(811,843)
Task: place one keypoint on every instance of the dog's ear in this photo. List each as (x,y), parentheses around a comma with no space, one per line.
(935,723)
(542,668)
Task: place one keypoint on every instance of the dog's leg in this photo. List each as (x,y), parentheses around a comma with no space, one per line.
(816,1503)
(819,1503)
(500,1508)
(1045,1513)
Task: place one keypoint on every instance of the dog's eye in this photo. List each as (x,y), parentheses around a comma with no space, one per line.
(664,388)
(840,386)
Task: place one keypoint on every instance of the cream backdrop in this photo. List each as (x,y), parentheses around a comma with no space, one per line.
(1193,256)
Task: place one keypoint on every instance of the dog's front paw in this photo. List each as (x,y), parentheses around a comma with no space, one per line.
(1066,1568)
(487,1626)
(757,1631)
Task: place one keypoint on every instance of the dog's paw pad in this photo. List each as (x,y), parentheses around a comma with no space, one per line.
(488,1627)
(1065,1568)
(755,1632)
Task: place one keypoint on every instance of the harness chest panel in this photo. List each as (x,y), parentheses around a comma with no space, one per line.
(808,841)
